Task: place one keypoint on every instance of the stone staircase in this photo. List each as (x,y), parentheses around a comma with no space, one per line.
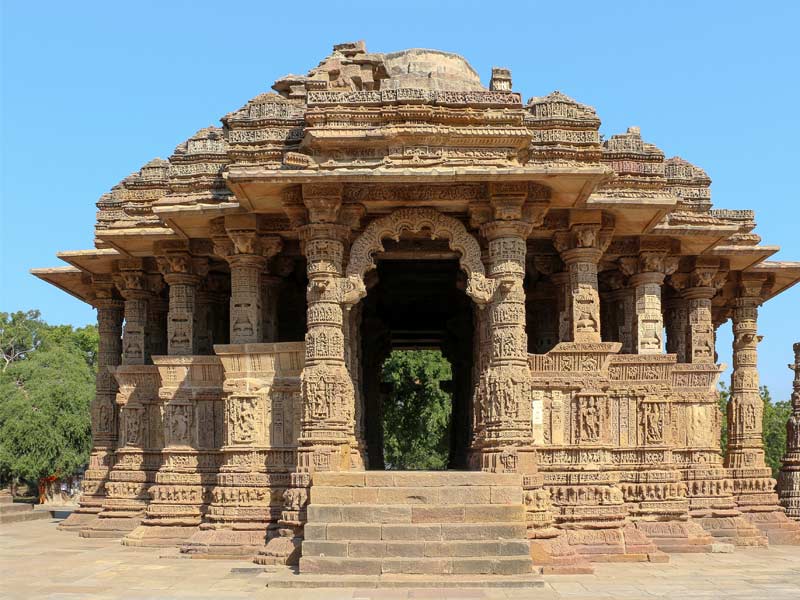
(11,512)
(385,523)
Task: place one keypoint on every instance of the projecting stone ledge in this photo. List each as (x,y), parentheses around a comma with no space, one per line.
(305,580)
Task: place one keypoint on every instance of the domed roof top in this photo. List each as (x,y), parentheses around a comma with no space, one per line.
(430,69)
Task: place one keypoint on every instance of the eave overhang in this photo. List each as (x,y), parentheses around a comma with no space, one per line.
(69,279)
(785,273)
(259,189)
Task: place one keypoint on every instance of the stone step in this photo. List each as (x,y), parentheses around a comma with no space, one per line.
(415,479)
(443,495)
(416,566)
(19,515)
(18,507)
(416,513)
(286,579)
(419,549)
(414,531)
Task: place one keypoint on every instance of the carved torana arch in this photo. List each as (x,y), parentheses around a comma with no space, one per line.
(416,220)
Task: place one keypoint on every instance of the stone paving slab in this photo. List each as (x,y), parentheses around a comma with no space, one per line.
(39,562)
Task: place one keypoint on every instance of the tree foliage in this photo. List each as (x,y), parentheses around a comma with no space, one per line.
(46,387)
(776,414)
(416,414)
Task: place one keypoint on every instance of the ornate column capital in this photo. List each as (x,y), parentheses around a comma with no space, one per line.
(583,242)
(323,201)
(182,268)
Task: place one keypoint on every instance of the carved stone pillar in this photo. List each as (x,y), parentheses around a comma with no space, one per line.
(156,327)
(505,389)
(623,308)
(581,249)
(183,273)
(708,483)
(103,409)
(133,284)
(328,396)
(203,314)
(270,294)
(561,282)
(698,288)
(138,452)
(646,275)
(327,435)
(753,484)
(676,320)
(789,478)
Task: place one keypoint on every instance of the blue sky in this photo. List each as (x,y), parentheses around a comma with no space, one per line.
(93,90)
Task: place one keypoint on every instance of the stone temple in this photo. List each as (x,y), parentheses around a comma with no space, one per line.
(249,288)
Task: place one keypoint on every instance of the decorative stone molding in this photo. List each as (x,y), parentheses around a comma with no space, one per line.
(415,220)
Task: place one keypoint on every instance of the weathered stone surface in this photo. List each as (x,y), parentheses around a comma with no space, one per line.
(566,257)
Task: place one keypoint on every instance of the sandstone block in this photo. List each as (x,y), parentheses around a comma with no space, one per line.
(413,532)
(494,513)
(506,495)
(457,549)
(512,566)
(331,495)
(416,566)
(475,531)
(379,478)
(324,548)
(323,513)
(340,566)
(346,479)
(366,513)
(366,549)
(475,566)
(365,495)
(315,531)
(408,495)
(405,550)
(437,514)
(465,495)
(353,531)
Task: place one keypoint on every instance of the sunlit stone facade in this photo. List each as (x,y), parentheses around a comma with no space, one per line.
(249,287)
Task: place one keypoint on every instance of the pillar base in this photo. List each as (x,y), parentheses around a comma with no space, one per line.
(225,543)
(158,536)
(78,520)
(677,536)
(733,529)
(282,549)
(626,544)
(555,556)
(779,529)
(111,527)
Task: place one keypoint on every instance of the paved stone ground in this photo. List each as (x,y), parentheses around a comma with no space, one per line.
(38,562)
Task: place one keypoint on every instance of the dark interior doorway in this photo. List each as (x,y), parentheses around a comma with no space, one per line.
(415,304)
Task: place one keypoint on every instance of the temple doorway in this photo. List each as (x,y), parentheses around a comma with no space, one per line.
(416,310)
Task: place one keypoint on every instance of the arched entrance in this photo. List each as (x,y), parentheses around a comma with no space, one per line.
(415,279)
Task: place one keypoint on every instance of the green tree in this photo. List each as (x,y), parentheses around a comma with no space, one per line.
(416,414)
(776,414)
(46,387)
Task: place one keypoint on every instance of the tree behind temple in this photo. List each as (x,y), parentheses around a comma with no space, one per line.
(416,414)
(46,387)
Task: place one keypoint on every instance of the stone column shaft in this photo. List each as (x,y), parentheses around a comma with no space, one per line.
(246,310)
(789,479)
(103,411)
(506,381)
(676,321)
